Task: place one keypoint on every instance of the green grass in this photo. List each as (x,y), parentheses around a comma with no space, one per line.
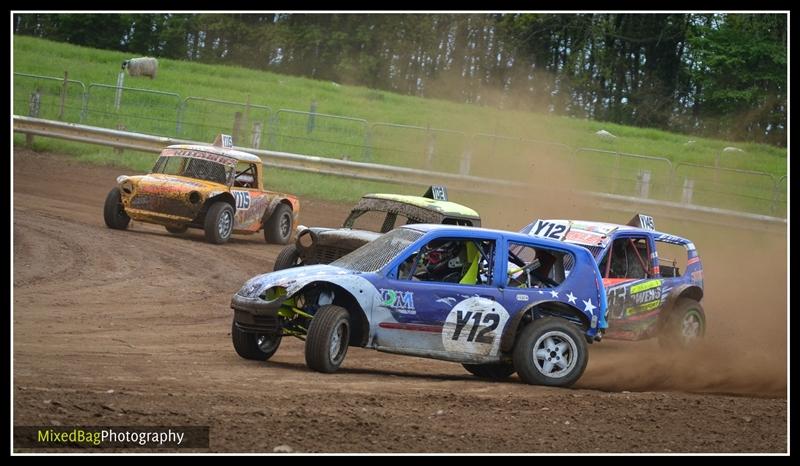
(342,138)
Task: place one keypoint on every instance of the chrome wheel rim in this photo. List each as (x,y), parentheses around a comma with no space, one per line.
(225,224)
(555,354)
(691,327)
(337,342)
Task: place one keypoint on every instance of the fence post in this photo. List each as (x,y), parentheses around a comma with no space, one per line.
(63,96)
(118,95)
(431,149)
(466,155)
(688,188)
(237,125)
(33,110)
(643,184)
(367,153)
(312,113)
(256,140)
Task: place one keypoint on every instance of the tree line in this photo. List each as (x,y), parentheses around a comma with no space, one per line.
(720,75)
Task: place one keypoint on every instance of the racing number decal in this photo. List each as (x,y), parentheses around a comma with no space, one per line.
(474,326)
(242,199)
(462,318)
(550,229)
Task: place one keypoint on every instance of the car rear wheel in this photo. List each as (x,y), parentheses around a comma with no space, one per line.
(114,212)
(256,346)
(278,228)
(287,258)
(219,223)
(328,338)
(685,325)
(551,351)
(491,371)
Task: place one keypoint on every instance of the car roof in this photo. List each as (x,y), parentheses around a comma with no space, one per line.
(232,153)
(442,207)
(609,229)
(471,232)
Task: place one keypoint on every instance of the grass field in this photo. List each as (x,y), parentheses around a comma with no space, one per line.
(363,136)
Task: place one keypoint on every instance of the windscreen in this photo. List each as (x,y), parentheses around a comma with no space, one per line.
(375,255)
(192,167)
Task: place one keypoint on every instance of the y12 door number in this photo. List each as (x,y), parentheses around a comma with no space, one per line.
(490,322)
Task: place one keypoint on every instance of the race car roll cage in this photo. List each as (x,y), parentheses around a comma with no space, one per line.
(647,269)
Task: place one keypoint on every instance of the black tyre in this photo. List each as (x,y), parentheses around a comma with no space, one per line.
(219,223)
(327,339)
(114,212)
(287,258)
(256,346)
(684,325)
(551,351)
(177,230)
(491,371)
(278,227)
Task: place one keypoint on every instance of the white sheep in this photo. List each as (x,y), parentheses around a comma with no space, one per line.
(145,66)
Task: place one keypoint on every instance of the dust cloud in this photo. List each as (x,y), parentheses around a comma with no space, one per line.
(745,273)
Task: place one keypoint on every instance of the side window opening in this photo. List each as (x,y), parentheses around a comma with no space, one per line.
(535,267)
(672,259)
(464,261)
(456,221)
(245,176)
(630,258)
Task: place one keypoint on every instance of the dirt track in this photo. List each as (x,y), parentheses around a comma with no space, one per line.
(147,315)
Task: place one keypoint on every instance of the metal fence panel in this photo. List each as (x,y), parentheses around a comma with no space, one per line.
(725,188)
(201,119)
(48,97)
(625,174)
(140,110)
(420,147)
(319,134)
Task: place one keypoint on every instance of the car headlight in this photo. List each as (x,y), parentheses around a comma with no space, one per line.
(306,239)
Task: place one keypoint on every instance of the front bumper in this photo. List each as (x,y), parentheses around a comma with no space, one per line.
(256,306)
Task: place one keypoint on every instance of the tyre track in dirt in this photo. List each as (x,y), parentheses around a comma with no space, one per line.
(132,328)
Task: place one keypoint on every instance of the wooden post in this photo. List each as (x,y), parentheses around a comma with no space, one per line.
(63,96)
(237,126)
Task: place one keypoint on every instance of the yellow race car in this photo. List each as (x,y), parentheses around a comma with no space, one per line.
(212,187)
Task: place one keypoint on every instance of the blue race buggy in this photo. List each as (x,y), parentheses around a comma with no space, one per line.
(653,280)
(496,302)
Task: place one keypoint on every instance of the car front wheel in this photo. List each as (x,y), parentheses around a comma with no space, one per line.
(218,225)
(256,346)
(551,351)
(328,338)
(114,212)
(287,258)
(685,325)
(278,228)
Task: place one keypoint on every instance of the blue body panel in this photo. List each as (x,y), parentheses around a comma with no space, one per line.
(451,321)
(635,305)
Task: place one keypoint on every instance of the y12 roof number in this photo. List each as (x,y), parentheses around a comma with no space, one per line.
(553,229)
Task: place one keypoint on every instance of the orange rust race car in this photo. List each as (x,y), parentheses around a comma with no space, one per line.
(215,188)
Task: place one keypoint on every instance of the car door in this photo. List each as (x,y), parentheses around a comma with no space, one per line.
(633,287)
(455,315)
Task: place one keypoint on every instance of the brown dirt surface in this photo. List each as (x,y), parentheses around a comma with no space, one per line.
(133,328)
